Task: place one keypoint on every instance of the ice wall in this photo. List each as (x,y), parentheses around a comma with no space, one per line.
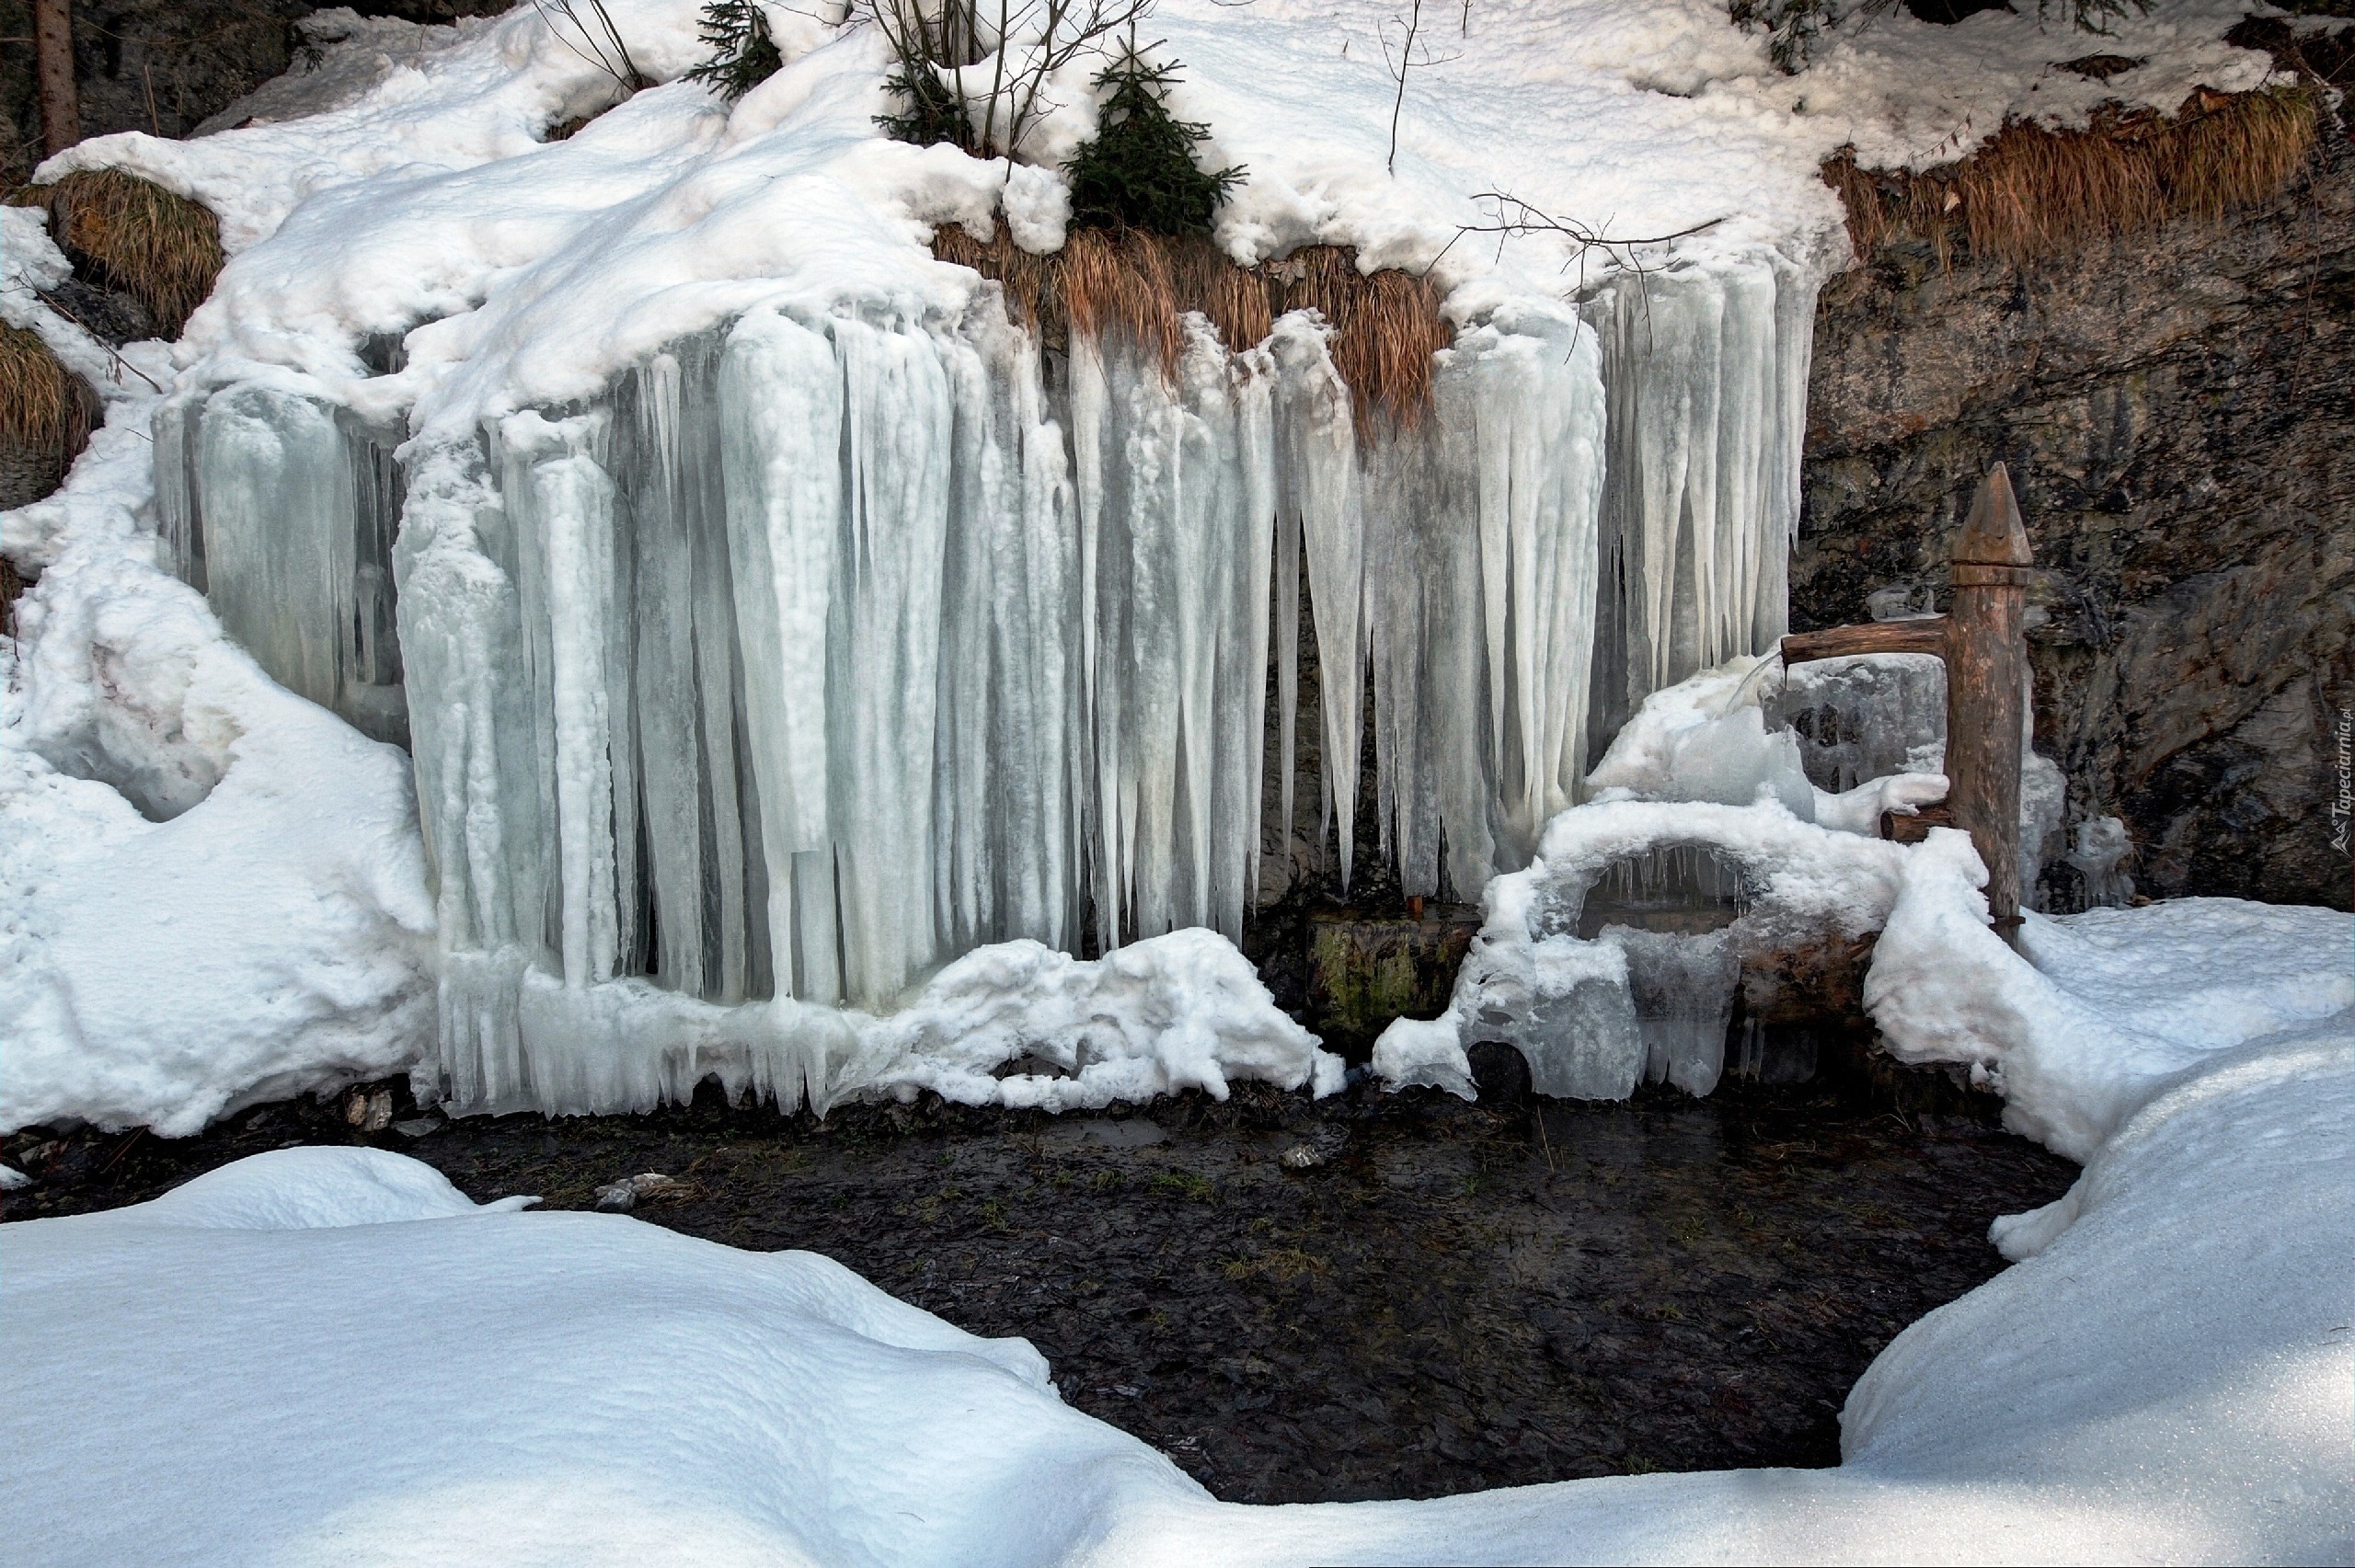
(832,644)
(282,506)
(1705,367)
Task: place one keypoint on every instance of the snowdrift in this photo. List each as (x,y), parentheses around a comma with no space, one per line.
(601,1389)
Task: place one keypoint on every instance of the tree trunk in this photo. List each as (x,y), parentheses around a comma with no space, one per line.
(60,101)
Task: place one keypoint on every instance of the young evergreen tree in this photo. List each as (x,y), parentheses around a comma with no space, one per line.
(1139,171)
(743,54)
(934,112)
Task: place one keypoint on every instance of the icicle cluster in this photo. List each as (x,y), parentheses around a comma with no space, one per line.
(831,646)
(282,507)
(1707,366)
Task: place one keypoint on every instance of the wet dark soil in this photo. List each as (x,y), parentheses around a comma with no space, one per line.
(1452,1296)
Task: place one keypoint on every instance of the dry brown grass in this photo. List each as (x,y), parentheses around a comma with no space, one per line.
(1386,327)
(164,250)
(2031,193)
(42,406)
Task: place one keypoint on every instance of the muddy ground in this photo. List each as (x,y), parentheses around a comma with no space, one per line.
(1456,1296)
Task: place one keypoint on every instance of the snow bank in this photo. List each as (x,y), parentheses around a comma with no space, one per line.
(219,1376)
(210,891)
(2096,1011)
(1012,1024)
(1184,1011)
(1636,119)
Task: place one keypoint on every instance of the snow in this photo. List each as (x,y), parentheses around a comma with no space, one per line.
(329,1355)
(2098,1012)
(1011,1023)
(430,312)
(210,891)
(1183,1010)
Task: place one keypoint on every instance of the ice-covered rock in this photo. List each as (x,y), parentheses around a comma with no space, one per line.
(1616,952)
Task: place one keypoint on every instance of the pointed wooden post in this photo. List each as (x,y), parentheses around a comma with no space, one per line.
(1986,673)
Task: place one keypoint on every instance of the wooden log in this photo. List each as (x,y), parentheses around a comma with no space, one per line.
(1922,634)
(1986,667)
(1914,829)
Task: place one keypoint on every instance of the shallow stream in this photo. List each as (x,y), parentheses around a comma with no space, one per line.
(1446,1297)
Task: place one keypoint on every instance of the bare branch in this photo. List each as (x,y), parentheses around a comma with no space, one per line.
(938,42)
(1403,64)
(1515,218)
(609,54)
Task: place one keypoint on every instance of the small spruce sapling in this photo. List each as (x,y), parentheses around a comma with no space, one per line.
(1139,171)
(743,54)
(934,113)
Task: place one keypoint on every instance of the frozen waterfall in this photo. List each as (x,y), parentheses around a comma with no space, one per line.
(826,647)
(1707,366)
(282,507)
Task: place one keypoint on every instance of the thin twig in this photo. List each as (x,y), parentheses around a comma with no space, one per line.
(1516,217)
(1404,63)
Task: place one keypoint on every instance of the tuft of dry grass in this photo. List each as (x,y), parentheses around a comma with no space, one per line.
(163,249)
(42,406)
(2030,193)
(1387,326)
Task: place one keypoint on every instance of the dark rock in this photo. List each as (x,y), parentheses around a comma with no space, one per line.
(111,315)
(1362,972)
(1499,1072)
(2178,414)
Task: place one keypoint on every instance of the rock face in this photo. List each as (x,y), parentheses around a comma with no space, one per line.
(2178,416)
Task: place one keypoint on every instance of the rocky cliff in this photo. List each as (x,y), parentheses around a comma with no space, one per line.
(2178,413)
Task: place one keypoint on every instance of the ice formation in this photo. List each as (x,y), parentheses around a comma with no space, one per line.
(1861,718)
(1615,955)
(820,654)
(281,506)
(833,644)
(1023,702)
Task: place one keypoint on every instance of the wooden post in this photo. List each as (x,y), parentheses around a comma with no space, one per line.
(1986,668)
(60,100)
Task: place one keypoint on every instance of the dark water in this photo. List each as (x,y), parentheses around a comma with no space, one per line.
(1456,1298)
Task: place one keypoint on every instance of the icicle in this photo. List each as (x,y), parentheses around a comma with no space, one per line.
(1287,653)
(281,506)
(1317,454)
(780,401)
(1705,368)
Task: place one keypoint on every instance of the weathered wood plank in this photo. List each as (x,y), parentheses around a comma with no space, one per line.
(1925,633)
(1914,829)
